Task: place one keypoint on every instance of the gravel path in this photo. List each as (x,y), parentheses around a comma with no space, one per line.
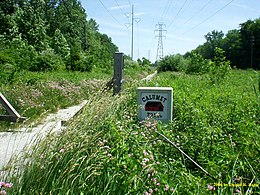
(13,143)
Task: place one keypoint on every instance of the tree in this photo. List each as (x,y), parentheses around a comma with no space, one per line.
(213,39)
(32,24)
(250,36)
(232,46)
(219,68)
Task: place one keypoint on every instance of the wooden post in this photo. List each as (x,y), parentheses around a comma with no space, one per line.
(118,72)
(13,116)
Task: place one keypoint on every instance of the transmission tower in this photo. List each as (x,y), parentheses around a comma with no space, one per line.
(160,29)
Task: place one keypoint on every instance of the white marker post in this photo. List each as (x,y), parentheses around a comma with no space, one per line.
(155,102)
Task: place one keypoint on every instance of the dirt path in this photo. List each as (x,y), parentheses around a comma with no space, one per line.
(12,143)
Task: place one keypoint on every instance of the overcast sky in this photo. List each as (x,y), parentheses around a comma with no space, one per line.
(185,22)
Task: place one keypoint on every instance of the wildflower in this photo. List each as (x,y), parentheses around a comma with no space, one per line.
(155,180)
(135,133)
(2,192)
(151,190)
(154,173)
(8,185)
(212,188)
(146,160)
(150,170)
(238,191)
(2,183)
(62,150)
(172,189)
(166,187)
(109,155)
(156,189)
(145,153)
(148,124)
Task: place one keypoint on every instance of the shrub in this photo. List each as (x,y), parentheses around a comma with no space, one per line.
(219,67)
(47,60)
(79,61)
(171,63)
(7,67)
(196,64)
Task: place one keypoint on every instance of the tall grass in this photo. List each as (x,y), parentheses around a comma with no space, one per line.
(35,94)
(106,150)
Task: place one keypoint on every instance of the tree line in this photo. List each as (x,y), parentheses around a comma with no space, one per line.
(46,35)
(241,46)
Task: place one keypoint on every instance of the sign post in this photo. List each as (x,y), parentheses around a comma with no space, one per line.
(155,102)
(118,73)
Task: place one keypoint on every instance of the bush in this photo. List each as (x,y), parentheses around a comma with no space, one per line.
(172,63)
(79,61)
(7,67)
(196,64)
(47,61)
(219,67)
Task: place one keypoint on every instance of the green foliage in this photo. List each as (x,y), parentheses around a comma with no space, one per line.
(60,45)
(196,64)
(78,61)
(130,63)
(172,63)
(144,62)
(35,93)
(47,61)
(219,67)
(106,150)
(59,26)
(238,45)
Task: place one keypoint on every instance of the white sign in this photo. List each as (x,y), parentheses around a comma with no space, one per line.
(155,102)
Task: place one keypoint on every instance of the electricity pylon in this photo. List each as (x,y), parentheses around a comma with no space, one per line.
(160,29)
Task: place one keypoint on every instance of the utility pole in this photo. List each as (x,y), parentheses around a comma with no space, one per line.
(137,20)
(132,41)
(160,29)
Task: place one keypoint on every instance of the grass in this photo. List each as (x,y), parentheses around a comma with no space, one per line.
(35,95)
(106,150)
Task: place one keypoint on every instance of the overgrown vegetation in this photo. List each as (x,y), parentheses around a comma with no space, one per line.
(216,69)
(51,35)
(106,150)
(241,46)
(46,49)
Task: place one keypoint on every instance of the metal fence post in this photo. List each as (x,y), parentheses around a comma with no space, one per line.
(118,73)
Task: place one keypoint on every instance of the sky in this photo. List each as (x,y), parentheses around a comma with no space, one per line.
(184,22)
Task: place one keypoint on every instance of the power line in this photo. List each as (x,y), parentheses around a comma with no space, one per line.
(120,8)
(110,13)
(177,14)
(200,10)
(167,8)
(209,17)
